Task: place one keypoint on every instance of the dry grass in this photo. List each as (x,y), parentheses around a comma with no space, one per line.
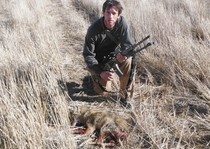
(41,45)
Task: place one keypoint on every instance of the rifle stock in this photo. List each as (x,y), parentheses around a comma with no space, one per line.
(111,65)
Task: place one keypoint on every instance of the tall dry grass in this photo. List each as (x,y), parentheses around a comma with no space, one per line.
(41,44)
(176,68)
(174,73)
(34,112)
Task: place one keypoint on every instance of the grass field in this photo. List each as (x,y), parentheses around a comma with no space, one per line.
(42,73)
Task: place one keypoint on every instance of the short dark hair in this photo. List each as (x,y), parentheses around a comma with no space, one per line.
(110,3)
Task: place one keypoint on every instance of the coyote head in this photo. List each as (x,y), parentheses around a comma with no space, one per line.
(111,135)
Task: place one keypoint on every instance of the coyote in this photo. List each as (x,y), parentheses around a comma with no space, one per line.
(105,128)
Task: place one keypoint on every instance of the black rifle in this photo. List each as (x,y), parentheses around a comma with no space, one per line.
(110,62)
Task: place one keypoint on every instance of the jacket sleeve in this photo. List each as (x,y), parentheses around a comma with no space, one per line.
(126,38)
(89,55)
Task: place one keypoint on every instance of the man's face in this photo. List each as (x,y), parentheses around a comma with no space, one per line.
(111,16)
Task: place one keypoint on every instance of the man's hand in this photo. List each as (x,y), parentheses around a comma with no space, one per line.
(107,75)
(120,58)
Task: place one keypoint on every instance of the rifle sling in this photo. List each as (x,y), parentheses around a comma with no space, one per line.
(108,33)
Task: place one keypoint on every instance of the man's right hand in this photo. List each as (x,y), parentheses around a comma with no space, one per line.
(107,75)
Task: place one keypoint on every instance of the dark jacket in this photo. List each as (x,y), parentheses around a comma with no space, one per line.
(98,44)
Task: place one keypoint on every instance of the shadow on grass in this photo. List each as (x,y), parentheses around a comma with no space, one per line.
(84,92)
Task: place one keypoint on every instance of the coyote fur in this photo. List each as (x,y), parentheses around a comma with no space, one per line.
(106,128)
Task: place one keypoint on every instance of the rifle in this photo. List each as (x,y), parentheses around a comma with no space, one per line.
(110,62)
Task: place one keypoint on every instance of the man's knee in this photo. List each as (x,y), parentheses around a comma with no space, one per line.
(125,67)
(101,86)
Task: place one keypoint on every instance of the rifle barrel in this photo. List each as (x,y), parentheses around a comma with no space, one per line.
(147,45)
(141,41)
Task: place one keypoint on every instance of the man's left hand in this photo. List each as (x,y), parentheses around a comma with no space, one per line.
(120,58)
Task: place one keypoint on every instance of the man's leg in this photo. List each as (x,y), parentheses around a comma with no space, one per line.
(100,86)
(126,91)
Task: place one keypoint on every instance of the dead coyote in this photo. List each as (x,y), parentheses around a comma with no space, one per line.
(105,128)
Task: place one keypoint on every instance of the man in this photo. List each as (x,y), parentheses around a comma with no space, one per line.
(102,38)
